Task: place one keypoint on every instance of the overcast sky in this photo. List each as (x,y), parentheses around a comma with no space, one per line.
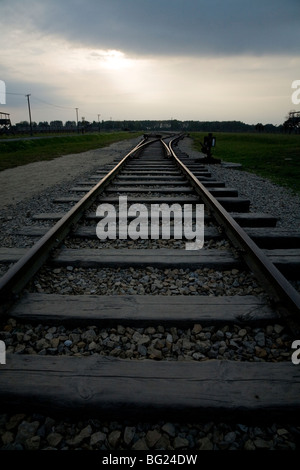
(150,59)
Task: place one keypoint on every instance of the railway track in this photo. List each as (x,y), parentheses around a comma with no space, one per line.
(163,375)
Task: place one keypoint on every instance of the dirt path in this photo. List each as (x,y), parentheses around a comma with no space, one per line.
(20,183)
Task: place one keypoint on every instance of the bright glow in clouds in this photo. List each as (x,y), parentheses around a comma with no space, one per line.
(115,60)
(86,60)
(115,84)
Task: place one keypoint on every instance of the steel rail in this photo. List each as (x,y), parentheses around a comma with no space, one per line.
(285,299)
(15,279)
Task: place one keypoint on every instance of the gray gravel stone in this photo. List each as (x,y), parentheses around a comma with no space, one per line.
(205,444)
(26,430)
(54,439)
(114,438)
(152,437)
(170,429)
(129,433)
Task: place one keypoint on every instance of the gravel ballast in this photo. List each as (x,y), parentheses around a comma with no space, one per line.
(200,342)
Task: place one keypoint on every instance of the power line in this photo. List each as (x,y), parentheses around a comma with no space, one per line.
(50,104)
(42,101)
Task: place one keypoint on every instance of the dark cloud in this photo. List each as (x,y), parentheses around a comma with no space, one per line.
(166,27)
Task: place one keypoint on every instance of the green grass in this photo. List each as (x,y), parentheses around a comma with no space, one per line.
(22,152)
(272,156)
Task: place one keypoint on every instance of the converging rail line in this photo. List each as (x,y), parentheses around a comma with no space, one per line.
(150,381)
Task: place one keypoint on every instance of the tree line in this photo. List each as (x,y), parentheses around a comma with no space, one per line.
(291,125)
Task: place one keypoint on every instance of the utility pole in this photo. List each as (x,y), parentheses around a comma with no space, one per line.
(77,119)
(31,132)
(99,122)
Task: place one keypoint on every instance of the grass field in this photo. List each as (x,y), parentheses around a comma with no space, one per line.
(21,152)
(272,156)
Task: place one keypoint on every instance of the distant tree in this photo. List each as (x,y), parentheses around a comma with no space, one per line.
(70,125)
(56,124)
(22,126)
(259,127)
(43,125)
